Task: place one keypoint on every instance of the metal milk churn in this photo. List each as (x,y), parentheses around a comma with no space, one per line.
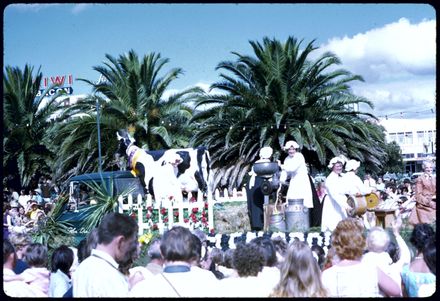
(297,216)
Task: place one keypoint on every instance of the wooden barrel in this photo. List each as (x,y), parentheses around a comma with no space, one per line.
(358,205)
(372,200)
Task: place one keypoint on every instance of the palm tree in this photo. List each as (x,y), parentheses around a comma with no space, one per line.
(279,95)
(26,119)
(131,97)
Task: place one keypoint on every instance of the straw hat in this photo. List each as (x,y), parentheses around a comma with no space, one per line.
(352,165)
(290,144)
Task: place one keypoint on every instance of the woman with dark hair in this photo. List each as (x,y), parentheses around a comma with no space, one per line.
(62,260)
(13,284)
(270,273)
(429,256)
(248,261)
(37,275)
(417,273)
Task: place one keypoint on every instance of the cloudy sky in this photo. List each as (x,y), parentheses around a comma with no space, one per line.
(392,46)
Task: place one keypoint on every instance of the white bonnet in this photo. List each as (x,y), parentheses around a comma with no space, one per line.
(290,144)
(333,161)
(266,152)
(352,165)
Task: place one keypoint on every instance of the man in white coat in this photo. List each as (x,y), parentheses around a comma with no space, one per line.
(335,205)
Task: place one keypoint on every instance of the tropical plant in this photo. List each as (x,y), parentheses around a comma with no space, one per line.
(130,97)
(103,200)
(278,95)
(26,119)
(51,231)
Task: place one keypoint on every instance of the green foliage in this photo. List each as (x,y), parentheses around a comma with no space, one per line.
(103,201)
(51,231)
(394,161)
(281,94)
(26,119)
(130,97)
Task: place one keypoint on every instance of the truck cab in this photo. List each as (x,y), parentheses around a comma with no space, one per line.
(81,195)
(116,182)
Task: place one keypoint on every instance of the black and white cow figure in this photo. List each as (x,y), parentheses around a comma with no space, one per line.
(190,166)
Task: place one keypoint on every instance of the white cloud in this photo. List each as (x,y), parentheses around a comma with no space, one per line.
(413,97)
(397,50)
(397,61)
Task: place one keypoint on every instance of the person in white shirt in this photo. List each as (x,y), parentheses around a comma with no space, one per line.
(369,181)
(255,197)
(335,207)
(23,198)
(14,194)
(295,167)
(62,260)
(13,284)
(355,185)
(179,277)
(166,186)
(350,277)
(98,274)
(356,188)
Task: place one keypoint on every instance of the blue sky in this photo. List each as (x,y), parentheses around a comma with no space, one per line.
(391,45)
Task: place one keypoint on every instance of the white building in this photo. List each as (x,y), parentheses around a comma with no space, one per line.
(416,138)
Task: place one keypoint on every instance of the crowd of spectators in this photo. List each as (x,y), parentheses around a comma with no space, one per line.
(360,263)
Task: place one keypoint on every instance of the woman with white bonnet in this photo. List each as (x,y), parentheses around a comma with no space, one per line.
(255,197)
(355,185)
(166,186)
(300,185)
(335,205)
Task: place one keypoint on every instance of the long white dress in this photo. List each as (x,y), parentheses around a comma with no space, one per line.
(355,185)
(299,186)
(334,208)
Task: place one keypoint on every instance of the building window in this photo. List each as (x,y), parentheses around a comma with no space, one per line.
(420,136)
(400,138)
(391,137)
(409,138)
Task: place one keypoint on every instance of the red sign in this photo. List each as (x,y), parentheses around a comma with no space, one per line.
(57,80)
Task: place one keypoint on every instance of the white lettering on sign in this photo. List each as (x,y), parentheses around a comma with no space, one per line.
(51,92)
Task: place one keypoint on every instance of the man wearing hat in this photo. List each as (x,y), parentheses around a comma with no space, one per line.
(255,197)
(335,205)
